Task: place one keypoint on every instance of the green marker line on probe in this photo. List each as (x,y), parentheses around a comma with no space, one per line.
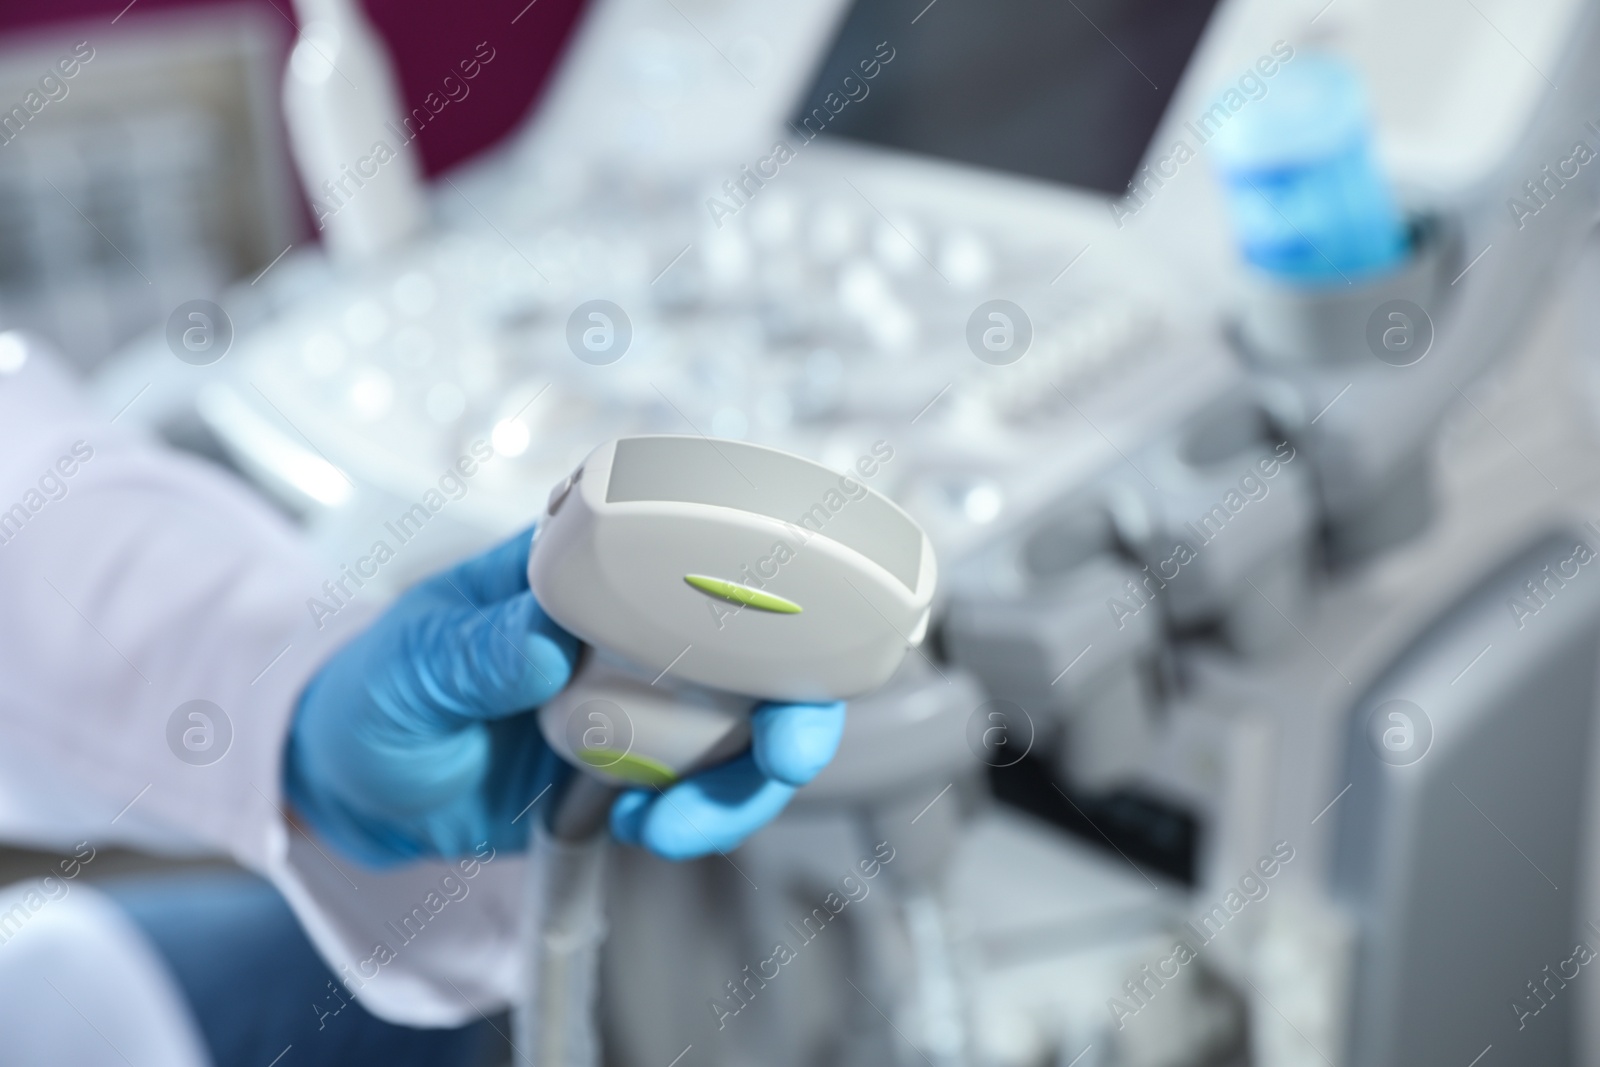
(742,594)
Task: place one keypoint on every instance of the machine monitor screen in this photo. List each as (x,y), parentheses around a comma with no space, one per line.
(1066,90)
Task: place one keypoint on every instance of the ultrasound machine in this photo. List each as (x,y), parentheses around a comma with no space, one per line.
(1254,721)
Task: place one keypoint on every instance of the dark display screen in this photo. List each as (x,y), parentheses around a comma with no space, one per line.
(1066,90)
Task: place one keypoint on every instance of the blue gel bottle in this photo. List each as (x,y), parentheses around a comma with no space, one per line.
(1309,203)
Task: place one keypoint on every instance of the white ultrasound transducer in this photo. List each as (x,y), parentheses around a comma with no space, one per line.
(708,575)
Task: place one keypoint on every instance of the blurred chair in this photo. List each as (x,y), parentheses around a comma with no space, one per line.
(255,987)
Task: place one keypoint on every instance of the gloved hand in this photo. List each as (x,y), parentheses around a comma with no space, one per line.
(416,738)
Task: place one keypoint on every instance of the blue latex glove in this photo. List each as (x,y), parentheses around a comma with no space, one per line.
(416,738)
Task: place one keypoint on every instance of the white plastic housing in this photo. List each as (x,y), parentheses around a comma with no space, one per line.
(642,515)
(624,730)
(341,100)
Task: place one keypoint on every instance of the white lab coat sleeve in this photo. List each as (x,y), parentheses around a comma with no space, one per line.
(133,581)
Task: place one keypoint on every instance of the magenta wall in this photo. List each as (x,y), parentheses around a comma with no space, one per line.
(427,39)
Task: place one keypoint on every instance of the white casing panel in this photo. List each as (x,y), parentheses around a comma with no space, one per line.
(623,730)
